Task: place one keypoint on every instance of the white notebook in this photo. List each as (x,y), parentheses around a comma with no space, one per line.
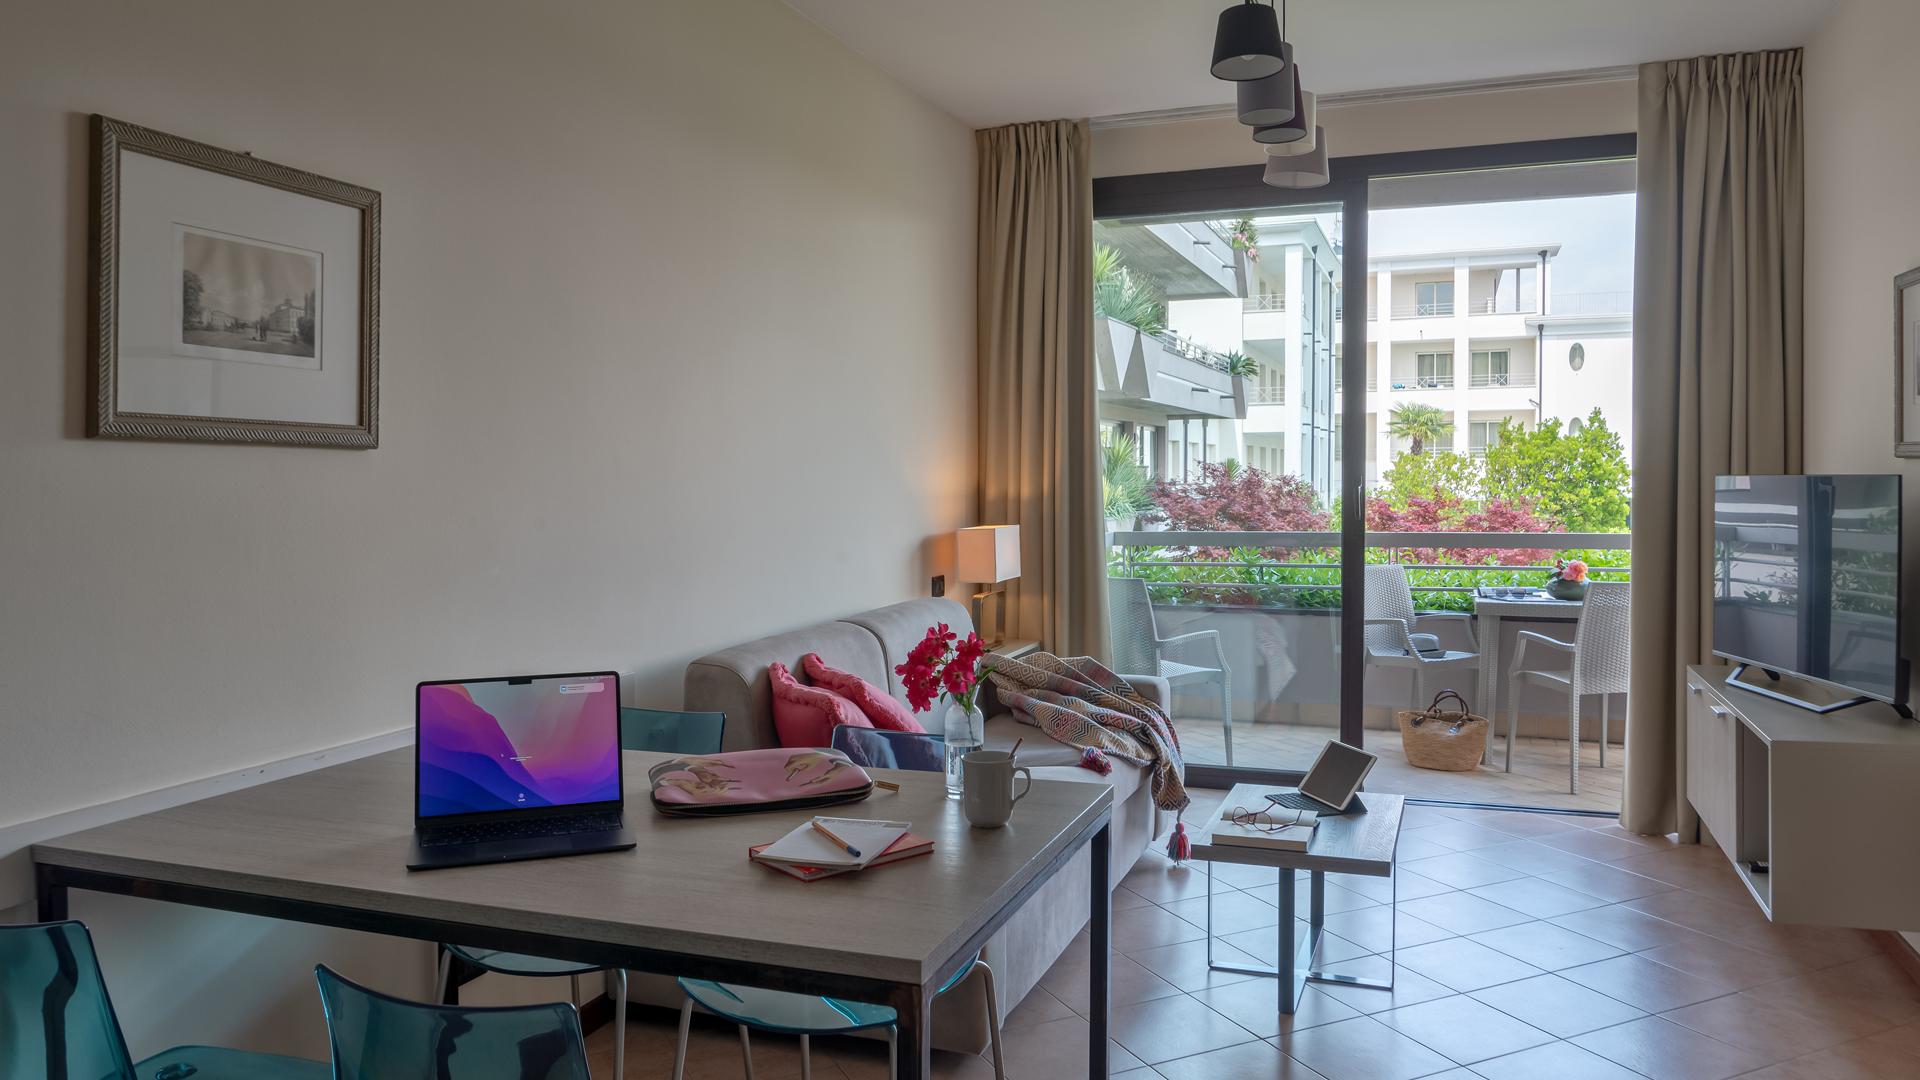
(1295,834)
(808,846)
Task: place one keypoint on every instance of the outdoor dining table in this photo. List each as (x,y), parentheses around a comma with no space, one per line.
(1488,613)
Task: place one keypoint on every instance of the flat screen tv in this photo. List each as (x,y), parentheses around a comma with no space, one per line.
(1806,579)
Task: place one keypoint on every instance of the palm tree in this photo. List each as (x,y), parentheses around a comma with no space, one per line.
(1126,488)
(1119,293)
(1419,424)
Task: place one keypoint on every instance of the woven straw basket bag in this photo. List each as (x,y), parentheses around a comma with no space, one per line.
(1441,738)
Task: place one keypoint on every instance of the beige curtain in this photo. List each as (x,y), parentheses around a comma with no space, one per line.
(1038,438)
(1716,367)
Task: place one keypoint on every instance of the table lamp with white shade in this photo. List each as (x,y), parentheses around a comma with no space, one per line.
(988,555)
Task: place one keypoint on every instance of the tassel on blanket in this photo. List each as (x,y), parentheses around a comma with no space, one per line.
(1179,848)
(1093,758)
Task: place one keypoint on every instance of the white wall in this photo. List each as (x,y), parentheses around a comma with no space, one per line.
(1601,108)
(677,350)
(1863,150)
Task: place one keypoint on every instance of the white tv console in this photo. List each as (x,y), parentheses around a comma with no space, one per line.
(1830,804)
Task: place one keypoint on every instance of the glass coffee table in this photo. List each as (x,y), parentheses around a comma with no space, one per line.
(1358,842)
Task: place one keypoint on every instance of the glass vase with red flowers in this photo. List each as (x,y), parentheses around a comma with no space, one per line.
(946,666)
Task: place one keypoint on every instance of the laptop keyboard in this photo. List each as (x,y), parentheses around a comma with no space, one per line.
(519,829)
(1293,800)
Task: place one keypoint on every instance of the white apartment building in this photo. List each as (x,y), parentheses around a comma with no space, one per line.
(1463,330)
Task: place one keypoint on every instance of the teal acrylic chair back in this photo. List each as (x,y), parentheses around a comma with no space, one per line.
(376,1037)
(672,732)
(55,1017)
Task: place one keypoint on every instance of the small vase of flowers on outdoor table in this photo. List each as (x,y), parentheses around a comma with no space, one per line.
(945,666)
(1568,580)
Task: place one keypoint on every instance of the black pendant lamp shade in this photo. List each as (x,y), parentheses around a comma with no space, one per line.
(1272,100)
(1295,127)
(1247,44)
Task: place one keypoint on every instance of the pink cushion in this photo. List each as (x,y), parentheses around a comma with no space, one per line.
(805,716)
(882,708)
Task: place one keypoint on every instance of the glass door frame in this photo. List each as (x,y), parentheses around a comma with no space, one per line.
(1239,188)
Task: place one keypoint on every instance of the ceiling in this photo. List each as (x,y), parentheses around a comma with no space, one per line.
(998,61)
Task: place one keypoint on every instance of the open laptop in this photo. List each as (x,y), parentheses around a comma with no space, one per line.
(518,767)
(1332,786)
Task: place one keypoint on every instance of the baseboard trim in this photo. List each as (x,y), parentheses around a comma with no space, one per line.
(1900,951)
(597,1013)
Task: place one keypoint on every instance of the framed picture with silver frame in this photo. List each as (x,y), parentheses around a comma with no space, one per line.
(233,300)
(1906,364)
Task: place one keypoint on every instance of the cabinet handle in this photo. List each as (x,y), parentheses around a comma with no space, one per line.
(1717,711)
(1695,689)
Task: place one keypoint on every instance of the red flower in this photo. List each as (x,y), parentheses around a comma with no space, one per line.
(940,664)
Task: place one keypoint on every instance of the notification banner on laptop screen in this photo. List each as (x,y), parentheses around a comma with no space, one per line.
(498,745)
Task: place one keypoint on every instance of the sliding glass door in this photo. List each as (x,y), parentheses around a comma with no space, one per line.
(1224,352)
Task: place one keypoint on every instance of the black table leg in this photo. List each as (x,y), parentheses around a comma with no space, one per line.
(49,895)
(1288,962)
(1099,951)
(913,1049)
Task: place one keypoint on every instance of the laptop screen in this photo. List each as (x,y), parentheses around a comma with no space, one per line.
(487,745)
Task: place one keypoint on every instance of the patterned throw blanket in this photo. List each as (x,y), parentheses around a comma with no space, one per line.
(1079,702)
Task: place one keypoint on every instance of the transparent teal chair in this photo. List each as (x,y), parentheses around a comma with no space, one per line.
(804,1014)
(56,1020)
(378,1037)
(640,729)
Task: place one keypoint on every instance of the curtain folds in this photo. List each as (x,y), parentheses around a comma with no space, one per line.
(1038,436)
(1718,263)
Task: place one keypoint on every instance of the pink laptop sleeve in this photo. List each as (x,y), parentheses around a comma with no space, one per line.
(749,781)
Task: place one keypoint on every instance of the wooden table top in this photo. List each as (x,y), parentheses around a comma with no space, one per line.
(1350,843)
(1545,608)
(341,835)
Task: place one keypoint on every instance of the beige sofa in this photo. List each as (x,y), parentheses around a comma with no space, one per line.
(870,644)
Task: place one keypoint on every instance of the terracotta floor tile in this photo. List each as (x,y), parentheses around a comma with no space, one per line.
(1554,1061)
(1463,965)
(1159,880)
(1540,899)
(1361,1049)
(1177,1027)
(1462,870)
(1412,885)
(1412,847)
(1462,913)
(1607,881)
(1521,824)
(1465,836)
(1128,982)
(1256,1007)
(1557,1006)
(1248,1061)
(1124,898)
(1145,928)
(1409,987)
(1646,985)
(1625,928)
(1373,928)
(1776,1032)
(1532,857)
(1232,912)
(1462,1029)
(1242,876)
(1592,844)
(1038,1007)
(1185,964)
(1057,1049)
(1663,1050)
(1546,946)
(1861,1060)
(1724,962)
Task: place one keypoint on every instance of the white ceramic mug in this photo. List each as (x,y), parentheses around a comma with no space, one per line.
(989,796)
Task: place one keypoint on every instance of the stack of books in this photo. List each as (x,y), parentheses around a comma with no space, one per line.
(1274,828)
(820,848)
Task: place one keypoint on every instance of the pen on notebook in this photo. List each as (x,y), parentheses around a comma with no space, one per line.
(828,833)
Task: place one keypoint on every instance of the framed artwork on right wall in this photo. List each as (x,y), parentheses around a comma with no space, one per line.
(1906,364)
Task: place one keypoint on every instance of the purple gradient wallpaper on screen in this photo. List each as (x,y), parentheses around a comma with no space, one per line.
(496,746)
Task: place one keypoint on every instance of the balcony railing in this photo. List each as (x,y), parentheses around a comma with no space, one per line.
(1591,303)
(1266,395)
(1422,382)
(1485,379)
(1305,570)
(1499,305)
(1339,383)
(1192,350)
(1265,302)
(1431,310)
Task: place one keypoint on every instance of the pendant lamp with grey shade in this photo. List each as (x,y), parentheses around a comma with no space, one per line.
(1272,100)
(1297,135)
(1295,128)
(1299,170)
(1247,43)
